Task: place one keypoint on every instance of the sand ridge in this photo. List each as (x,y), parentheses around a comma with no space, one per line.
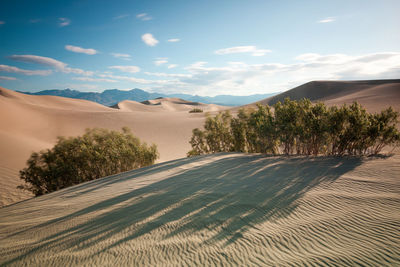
(223,209)
(374,95)
(166,104)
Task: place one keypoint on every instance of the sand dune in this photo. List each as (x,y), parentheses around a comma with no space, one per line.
(374,99)
(166,104)
(31,123)
(374,95)
(224,209)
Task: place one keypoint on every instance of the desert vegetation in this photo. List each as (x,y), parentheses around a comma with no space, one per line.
(298,127)
(196,110)
(98,153)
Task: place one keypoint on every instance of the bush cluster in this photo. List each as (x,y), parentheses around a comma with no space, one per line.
(98,153)
(298,127)
(196,110)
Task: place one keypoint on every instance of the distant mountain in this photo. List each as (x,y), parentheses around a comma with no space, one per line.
(113,96)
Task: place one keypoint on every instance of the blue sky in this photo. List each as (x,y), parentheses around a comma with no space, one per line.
(197,47)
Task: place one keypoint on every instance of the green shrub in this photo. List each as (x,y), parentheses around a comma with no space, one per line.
(98,153)
(298,127)
(196,110)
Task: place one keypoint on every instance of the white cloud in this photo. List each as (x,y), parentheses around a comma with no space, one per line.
(46,61)
(130,69)
(139,80)
(243,49)
(88,79)
(7,78)
(143,16)
(160,61)
(239,78)
(174,75)
(12,69)
(171,66)
(64,22)
(327,20)
(121,56)
(77,49)
(198,64)
(174,40)
(149,39)
(50,62)
(122,16)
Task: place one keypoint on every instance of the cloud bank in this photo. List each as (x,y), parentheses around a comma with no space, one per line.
(12,69)
(50,62)
(7,78)
(130,69)
(240,78)
(254,51)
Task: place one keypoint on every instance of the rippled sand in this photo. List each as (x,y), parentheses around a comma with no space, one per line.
(224,209)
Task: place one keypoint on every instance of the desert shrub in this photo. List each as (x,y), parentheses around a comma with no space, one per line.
(198,143)
(382,130)
(287,121)
(218,135)
(313,128)
(298,127)
(215,138)
(240,131)
(262,131)
(196,110)
(98,153)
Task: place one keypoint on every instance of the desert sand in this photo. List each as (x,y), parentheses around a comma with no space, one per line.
(374,95)
(32,123)
(223,209)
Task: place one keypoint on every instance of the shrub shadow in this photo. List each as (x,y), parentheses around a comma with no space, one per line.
(229,195)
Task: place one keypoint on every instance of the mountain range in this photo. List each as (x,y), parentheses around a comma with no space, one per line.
(111,97)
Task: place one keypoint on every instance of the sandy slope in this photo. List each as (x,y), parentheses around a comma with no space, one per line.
(216,210)
(374,99)
(374,95)
(31,123)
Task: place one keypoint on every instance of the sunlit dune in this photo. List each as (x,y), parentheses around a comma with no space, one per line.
(374,95)
(31,123)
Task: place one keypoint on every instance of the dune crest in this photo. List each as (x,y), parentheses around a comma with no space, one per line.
(374,95)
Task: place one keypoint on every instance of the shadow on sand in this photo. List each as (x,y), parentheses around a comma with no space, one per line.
(229,195)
